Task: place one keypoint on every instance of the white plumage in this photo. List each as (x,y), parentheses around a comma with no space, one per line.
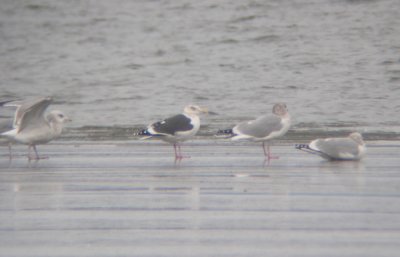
(32,127)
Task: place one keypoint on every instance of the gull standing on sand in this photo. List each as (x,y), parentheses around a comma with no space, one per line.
(348,148)
(262,129)
(177,128)
(32,127)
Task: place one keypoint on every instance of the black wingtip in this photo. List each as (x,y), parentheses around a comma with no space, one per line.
(143,132)
(301,146)
(225,132)
(2,103)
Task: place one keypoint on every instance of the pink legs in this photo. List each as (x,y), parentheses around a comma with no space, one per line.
(37,157)
(30,157)
(267,153)
(178,152)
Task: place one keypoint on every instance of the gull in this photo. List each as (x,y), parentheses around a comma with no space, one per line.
(347,148)
(176,129)
(263,129)
(32,127)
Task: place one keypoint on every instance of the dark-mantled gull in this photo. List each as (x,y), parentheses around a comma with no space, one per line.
(347,148)
(32,127)
(262,129)
(176,129)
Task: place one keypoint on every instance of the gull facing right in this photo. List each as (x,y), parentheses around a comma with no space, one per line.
(176,129)
(32,127)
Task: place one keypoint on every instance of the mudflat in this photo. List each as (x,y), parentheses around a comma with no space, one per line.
(133,199)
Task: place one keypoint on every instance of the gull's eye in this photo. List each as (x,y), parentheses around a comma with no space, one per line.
(61,116)
(193,108)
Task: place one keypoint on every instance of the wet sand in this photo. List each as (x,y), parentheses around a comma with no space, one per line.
(132,199)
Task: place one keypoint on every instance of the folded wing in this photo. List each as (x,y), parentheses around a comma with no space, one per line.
(260,127)
(172,125)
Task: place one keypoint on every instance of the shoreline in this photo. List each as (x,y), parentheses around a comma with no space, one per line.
(91,133)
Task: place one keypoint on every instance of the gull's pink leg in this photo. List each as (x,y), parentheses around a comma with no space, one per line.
(176,153)
(263,146)
(180,153)
(271,156)
(267,160)
(37,157)
(267,153)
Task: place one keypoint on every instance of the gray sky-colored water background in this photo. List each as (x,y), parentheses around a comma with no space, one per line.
(111,64)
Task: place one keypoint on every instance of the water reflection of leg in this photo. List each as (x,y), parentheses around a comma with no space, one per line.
(267,162)
(177,149)
(270,156)
(181,156)
(177,161)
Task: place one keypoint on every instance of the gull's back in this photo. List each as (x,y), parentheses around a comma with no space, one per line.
(337,148)
(261,127)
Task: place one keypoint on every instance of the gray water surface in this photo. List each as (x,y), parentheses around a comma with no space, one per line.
(100,199)
(128,63)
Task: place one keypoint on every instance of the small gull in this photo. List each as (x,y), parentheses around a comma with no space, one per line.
(32,127)
(262,129)
(177,128)
(348,148)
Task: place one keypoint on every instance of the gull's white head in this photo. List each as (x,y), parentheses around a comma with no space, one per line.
(194,110)
(280,109)
(357,137)
(57,117)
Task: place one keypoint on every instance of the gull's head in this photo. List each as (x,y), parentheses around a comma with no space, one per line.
(58,117)
(194,109)
(357,137)
(280,109)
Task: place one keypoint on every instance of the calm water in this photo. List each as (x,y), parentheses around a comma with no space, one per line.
(128,63)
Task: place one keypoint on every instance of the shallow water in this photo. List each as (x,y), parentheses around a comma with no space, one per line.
(128,63)
(132,199)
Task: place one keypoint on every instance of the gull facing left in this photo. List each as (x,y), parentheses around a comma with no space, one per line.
(32,127)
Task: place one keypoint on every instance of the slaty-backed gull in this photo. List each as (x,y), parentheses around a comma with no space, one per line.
(176,129)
